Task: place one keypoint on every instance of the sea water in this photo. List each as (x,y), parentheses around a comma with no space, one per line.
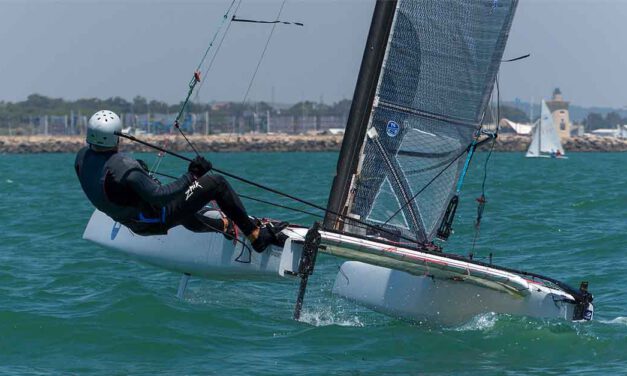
(68,306)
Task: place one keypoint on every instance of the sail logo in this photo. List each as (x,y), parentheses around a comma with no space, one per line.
(493,5)
(115,229)
(392,128)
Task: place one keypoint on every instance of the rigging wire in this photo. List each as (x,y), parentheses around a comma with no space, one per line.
(215,54)
(234,18)
(215,35)
(428,184)
(274,204)
(193,82)
(196,79)
(266,188)
(263,53)
(280,206)
(482,199)
(257,199)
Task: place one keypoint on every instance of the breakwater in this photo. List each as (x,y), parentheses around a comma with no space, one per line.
(274,142)
(213,143)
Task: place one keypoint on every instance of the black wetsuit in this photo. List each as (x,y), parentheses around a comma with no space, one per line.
(117,185)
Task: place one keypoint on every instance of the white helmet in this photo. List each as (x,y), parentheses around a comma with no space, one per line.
(100,129)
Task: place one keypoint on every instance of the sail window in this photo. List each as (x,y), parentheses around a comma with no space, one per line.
(385,205)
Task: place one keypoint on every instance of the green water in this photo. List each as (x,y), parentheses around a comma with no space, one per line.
(70,307)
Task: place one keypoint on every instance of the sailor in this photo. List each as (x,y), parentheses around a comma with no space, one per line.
(121,187)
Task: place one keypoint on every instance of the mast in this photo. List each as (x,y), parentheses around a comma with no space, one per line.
(540,132)
(361,106)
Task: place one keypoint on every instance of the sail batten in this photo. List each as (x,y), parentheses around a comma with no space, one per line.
(412,111)
(434,84)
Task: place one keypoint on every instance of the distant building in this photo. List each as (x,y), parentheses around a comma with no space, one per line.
(559,108)
(619,132)
(508,126)
(577,130)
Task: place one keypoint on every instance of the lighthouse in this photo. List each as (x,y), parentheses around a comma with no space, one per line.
(559,109)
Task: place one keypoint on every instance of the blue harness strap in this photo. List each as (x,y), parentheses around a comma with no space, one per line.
(145,219)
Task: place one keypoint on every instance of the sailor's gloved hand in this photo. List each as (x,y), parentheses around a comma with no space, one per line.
(199,166)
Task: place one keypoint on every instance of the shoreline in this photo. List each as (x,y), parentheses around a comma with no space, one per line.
(274,143)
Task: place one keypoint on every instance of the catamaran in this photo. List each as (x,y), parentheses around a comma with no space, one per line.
(426,77)
(545,142)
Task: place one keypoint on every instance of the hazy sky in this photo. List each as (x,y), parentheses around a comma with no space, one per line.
(104,48)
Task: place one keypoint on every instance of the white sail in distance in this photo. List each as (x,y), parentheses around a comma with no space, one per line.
(545,141)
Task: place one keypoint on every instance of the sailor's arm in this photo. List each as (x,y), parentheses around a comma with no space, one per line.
(153,192)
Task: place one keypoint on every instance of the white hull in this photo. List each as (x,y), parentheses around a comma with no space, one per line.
(438,290)
(202,254)
(546,156)
(443,301)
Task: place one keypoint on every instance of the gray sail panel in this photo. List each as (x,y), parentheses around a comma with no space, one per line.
(440,66)
(444,54)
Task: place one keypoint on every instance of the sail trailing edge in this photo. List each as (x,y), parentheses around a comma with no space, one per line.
(440,63)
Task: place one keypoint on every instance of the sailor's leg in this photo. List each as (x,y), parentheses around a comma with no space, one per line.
(230,203)
(202,221)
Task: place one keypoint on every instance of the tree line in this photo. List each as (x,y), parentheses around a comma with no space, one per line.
(36,105)
(596,121)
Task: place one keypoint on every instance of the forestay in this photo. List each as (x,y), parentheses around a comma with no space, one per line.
(434,84)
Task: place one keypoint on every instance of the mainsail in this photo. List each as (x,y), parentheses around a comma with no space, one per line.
(400,163)
(545,139)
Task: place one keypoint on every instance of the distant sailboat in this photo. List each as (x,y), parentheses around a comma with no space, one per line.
(545,142)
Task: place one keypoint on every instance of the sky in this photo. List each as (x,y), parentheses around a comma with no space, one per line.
(103,48)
